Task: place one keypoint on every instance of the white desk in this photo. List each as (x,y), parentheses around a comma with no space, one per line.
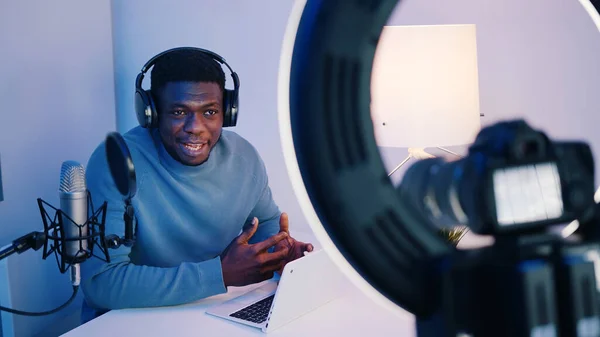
(354,314)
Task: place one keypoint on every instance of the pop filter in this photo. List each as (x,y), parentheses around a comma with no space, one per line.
(121,165)
(123,173)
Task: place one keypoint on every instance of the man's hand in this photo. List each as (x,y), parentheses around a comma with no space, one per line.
(295,249)
(244,263)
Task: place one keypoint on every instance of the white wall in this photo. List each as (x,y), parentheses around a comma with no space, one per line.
(538,60)
(248,34)
(57,104)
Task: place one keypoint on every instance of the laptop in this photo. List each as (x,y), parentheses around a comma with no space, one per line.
(305,284)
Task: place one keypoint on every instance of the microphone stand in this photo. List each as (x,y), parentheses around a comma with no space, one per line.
(33,240)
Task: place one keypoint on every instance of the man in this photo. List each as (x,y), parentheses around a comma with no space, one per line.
(198,187)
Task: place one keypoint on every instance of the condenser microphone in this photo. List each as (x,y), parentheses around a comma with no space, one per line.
(74,212)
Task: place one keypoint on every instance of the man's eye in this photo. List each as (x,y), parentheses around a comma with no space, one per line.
(178,113)
(210,112)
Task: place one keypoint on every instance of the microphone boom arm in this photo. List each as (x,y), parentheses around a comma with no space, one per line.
(33,240)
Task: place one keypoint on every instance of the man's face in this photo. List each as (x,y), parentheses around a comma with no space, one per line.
(190,119)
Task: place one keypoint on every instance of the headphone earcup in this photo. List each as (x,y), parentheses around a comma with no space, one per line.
(145,109)
(226,108)
(230,103)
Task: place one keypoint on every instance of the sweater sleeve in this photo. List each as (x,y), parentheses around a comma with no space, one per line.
(123,284)
(268,215)
(266,210)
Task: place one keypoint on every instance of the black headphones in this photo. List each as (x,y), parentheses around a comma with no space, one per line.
(146,110)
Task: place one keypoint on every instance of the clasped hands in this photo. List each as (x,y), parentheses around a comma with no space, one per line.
(243,263)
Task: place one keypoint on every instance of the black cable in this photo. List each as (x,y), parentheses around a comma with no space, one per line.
(25,313)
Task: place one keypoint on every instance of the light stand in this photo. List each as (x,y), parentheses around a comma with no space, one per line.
(419,153)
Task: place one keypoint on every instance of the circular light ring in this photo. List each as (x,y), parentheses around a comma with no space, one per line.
(333,160)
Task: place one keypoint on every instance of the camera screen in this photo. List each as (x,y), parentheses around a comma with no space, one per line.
(527,193)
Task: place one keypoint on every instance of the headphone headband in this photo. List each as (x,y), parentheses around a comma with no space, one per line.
(144,105)
(215,56)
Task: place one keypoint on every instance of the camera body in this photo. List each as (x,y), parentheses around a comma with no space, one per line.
(530,182)
(514,180)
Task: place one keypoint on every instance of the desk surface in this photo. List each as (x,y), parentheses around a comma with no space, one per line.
(353,314)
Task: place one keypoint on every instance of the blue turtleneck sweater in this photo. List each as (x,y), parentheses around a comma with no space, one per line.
(186,216)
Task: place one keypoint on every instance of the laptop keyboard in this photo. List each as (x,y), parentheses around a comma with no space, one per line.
(256,312)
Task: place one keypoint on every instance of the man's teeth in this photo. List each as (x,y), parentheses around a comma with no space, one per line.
(194,147)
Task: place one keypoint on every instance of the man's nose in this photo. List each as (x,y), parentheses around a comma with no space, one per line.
(194,123)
